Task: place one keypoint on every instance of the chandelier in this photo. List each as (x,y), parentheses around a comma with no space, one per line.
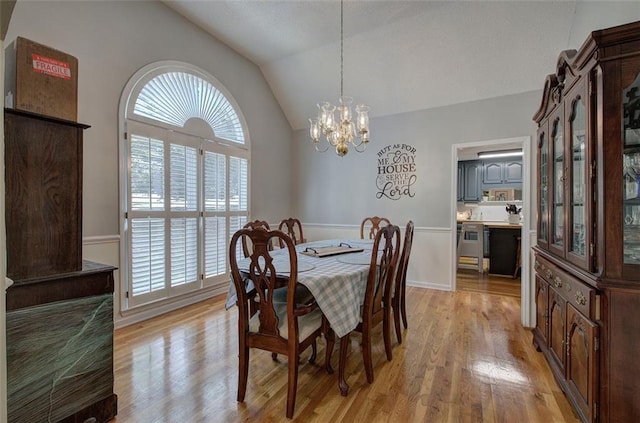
(341,132)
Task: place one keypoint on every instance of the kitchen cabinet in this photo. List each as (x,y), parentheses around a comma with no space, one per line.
(485,245)
(460,190)
(588,251)
(476,176)
(501,173)
(471,174)
(503,250)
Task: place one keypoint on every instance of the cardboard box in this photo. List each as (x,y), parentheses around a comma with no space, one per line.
(41,79)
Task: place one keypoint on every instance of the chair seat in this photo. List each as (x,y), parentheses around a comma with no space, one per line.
(307,323)
(303,295)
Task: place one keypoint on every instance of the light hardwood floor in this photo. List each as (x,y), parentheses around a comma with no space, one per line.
(471,280)
(464,358)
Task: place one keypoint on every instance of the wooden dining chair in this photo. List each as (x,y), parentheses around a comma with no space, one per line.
(246,248)
(399,295)
(293,228)
(377,297)
(287,329)
(371,226)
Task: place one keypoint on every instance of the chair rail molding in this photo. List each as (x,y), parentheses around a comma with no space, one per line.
(428,243)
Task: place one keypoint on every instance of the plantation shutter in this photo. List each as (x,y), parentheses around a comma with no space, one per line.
(147,224)
(184,216)
(186,186)
(215,196)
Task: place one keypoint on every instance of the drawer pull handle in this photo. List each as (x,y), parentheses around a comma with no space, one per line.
(548,273)
(580,298)
(557,282)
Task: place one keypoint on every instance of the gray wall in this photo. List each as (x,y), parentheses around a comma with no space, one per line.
(350,181)
(113,39)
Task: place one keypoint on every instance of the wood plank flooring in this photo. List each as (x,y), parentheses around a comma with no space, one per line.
(464,358)
(472,280)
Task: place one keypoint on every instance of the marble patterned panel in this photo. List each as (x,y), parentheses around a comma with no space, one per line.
(59,358)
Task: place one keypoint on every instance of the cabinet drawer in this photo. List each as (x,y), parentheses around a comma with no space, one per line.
(545,269)
(579,294)
(582,296)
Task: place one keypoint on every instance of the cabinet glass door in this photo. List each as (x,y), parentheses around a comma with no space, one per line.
(543,184)
(577,243)
(557,206)
(631,173)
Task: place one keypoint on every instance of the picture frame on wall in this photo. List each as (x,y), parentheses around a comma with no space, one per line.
(503,195)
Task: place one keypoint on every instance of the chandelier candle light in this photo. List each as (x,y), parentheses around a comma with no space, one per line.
(344,131)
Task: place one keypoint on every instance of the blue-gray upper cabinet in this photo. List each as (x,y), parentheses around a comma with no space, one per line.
(513,171)
(493,172)
(502,172)
(460,192)
(472,177)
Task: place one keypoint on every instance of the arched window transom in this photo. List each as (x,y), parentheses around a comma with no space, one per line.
(176,97)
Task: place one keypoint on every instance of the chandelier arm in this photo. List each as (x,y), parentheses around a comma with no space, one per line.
(356,146)
(360,143)
(315,144)
(329,139)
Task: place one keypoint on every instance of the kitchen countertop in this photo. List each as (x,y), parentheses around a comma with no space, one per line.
(493,223)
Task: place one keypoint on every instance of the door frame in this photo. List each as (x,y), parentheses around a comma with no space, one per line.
(526,293)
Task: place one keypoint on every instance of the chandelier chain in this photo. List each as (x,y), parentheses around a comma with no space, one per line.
(341,47)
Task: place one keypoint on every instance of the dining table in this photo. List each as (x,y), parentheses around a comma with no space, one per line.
(337,282)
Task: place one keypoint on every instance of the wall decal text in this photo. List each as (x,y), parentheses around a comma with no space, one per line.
(396,171)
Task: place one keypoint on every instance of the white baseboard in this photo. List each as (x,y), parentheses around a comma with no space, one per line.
(428,285)
(139,314)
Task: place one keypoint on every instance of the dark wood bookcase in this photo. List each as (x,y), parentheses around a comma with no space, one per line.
(588,251)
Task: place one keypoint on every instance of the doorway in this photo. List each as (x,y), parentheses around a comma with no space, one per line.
(469,151)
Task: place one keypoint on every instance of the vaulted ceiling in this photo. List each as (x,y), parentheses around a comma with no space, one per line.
(401,56)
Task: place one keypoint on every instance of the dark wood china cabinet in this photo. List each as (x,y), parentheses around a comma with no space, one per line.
(588,226)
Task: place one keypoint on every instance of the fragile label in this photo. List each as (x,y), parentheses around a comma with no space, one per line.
(49,66)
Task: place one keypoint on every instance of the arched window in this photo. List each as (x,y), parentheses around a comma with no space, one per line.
(185,181)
